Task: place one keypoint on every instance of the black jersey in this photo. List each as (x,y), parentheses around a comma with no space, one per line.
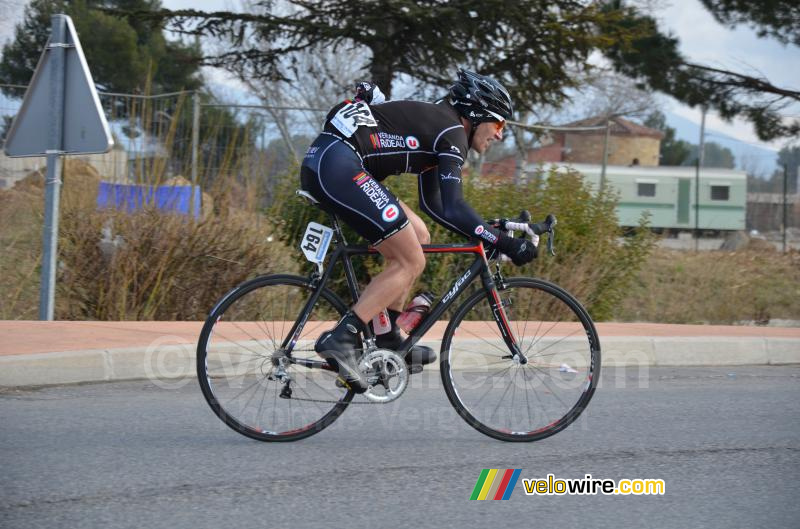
(426,139)
(410,137)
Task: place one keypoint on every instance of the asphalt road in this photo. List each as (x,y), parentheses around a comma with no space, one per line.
(726,441)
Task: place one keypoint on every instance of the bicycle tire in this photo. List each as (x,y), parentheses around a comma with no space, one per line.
(584,360)
(252,340)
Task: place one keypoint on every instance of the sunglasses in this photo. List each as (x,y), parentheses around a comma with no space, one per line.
(498,125)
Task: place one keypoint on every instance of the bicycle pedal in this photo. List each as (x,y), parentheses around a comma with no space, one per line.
(342,383)
(414,369)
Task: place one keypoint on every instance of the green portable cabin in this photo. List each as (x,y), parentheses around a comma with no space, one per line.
(668,193)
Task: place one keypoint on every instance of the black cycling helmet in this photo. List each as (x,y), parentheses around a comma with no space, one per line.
(479,98)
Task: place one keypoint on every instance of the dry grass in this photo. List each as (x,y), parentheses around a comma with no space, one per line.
(167,267)
(715,288)
(148,265)
(164,267)
(20,251)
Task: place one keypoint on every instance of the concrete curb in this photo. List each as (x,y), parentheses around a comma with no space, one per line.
(169,361)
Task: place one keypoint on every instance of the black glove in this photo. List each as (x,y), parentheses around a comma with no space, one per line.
(521,251)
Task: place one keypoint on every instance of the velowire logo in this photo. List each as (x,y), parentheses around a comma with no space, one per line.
(495,484)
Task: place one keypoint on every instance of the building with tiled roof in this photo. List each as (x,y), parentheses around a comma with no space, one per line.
(628,144)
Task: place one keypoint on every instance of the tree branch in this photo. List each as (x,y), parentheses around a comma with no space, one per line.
(745,81)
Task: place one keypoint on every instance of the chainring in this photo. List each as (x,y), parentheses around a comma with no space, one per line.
(387,374)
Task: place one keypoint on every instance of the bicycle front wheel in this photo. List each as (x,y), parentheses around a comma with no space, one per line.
(235,365)
(515,401)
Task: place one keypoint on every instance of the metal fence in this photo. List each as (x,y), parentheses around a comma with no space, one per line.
(184,137)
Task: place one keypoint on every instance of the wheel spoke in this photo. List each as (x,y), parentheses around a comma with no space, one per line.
(537,397)
(490,388)
(251,325)
(481,338)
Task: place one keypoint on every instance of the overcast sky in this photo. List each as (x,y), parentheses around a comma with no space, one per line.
(705,41)
(702,39)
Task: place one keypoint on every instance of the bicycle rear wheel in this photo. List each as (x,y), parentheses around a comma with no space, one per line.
(512,401)
(235,365)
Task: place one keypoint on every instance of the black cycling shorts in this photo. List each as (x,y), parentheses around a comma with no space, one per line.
(333,173)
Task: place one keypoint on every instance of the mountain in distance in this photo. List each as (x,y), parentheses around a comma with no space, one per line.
(755,160)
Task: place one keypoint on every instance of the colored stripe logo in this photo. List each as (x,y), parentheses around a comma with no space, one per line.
(496,484)
(360,178)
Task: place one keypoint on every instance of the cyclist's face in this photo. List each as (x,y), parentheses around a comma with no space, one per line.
(485,134)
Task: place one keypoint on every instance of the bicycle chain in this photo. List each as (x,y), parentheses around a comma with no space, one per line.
(336,401)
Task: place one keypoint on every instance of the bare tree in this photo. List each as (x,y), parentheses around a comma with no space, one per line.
(610,94)
(321,78)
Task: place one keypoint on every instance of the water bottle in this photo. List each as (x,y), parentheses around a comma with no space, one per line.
(381,323)
(416,310)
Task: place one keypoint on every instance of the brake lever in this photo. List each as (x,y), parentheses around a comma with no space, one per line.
(548,227)
(551,221)
(539,228)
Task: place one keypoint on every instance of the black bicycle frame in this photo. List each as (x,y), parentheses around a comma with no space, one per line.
(343,252)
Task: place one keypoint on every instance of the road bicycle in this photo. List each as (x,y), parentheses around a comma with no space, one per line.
(519,357)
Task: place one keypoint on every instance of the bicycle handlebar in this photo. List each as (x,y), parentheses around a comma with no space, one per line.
(532,228)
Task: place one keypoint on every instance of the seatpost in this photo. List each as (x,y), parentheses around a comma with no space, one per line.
(337,229)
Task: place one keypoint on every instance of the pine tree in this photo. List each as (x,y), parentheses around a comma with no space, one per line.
(124,54)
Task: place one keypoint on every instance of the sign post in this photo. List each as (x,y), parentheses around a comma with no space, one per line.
(61,99)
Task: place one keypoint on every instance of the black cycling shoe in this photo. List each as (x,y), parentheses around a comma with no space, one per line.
(340,347)
(418,355)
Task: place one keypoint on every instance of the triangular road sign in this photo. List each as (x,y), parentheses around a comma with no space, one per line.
(85,129)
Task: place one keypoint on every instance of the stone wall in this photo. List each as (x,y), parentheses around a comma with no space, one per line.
(112,166)
(588,148)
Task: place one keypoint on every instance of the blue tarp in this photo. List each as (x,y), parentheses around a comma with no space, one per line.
(130,198)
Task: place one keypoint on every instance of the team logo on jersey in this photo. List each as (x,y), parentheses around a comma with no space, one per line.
(488,236)
(384,140)
(479,230)
(455,149)
(372,189)
(390,213)
(450,176)
(412,142)
(361,178)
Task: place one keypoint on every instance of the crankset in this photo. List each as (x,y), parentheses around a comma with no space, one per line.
(387,374)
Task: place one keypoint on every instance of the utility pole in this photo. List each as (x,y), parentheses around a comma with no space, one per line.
(195,148)
(700,157)
(605,154)
(785,203)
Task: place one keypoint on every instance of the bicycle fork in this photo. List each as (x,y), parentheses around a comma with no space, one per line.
(500,316)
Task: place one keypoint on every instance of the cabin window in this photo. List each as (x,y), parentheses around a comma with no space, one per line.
(720,192)
(645,189)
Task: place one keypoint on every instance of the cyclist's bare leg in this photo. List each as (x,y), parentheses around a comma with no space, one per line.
(424,237)
(404,264)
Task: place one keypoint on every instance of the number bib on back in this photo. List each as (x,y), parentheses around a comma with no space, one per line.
(351,116)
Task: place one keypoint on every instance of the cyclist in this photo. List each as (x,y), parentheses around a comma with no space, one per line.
(362,144)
